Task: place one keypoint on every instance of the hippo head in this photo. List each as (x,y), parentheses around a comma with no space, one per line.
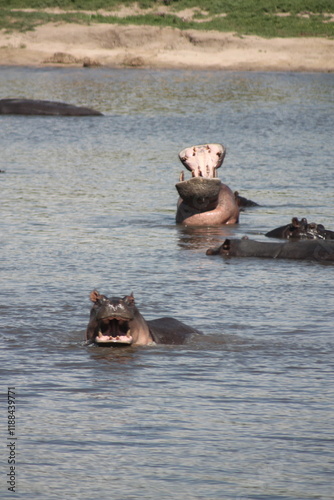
(300,229)
(203,188)
(111,319)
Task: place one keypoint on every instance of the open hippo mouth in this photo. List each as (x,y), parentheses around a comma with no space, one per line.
(113,330)
(111,320)
(204,186)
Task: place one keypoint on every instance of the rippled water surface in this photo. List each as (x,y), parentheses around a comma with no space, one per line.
(244,412)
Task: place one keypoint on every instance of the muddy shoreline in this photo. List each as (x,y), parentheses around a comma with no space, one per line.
(112,45)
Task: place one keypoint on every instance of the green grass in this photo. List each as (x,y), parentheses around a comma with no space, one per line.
(246,17)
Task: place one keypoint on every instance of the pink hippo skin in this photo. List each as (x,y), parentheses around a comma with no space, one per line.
(204,199)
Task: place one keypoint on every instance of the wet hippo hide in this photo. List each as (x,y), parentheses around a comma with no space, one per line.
(301,229)
(170,331)
(204,199)
(46,108)
(243,202)
(117,322)
(301,250)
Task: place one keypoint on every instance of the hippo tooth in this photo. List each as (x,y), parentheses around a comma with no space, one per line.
(128,333)
(100,334)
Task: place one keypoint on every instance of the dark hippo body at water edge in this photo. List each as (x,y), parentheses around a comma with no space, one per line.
(242,412)
(301,229)
(316,250)
(46,108)
(117,321)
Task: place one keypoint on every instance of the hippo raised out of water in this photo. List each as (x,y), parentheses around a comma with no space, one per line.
(46,108)
(304,250)
(301,229)
(116,322)
(204,199)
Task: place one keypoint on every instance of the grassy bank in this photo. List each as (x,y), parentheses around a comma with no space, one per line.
(266,18)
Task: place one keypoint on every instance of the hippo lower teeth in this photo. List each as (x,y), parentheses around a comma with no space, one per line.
(117,322)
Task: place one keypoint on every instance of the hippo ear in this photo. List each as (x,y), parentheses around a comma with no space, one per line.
(95,296)
(129,299)
(227,244)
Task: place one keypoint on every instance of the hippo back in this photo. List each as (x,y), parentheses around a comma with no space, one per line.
(170,331)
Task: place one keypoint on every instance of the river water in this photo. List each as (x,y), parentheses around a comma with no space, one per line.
(244,412)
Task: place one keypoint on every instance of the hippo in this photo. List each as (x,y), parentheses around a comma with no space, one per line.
(301,229)
(117,322)
(243,202)
(46,108)
(204,199)
(304,250)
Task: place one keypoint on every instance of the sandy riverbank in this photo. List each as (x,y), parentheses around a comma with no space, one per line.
(153,47)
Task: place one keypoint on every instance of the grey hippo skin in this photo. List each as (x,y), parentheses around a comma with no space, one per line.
(244,202)
(204,199)
(301,229)
(40,108)
(302,250)
(116,322)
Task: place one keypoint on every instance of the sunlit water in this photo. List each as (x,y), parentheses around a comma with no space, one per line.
(244,412)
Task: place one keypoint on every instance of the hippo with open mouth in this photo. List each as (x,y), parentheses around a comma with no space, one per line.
(117,322)
(204,199)
(301,229)
(46,108)
(316,250)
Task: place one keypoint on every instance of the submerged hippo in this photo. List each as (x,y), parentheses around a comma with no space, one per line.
(47,108)
(116,321)
(204,199)
(301,229)
(242,202)
(304,250)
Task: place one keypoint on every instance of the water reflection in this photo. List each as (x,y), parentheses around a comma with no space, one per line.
(200,238)
(122,355)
